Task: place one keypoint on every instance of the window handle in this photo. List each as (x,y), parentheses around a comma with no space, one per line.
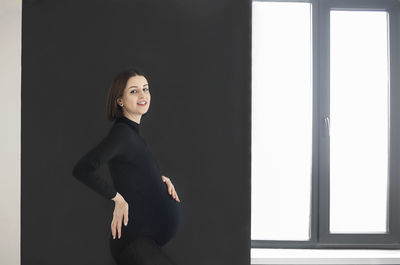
(327,125)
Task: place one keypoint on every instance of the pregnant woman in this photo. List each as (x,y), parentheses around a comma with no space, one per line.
(147,211)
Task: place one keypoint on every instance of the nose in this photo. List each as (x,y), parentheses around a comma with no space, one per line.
(141,94)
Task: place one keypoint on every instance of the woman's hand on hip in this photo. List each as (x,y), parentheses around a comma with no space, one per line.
(120,215)
(171,188)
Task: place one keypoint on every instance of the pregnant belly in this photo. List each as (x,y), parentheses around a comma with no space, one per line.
(170,214)
(155,213)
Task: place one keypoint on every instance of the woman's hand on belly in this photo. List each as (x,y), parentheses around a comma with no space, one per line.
(171,188)
(120,215)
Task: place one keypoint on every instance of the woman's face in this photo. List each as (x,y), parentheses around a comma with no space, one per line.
(136,92)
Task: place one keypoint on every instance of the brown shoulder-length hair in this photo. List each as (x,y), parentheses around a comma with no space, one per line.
(113,110)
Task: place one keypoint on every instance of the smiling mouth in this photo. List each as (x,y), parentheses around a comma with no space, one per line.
(144,103)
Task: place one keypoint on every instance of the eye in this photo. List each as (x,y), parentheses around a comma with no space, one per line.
(133,91)
(146,89)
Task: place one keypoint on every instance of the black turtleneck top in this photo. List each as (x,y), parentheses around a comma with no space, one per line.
(137,177)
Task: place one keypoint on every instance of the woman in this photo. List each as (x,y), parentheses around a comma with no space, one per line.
(147,210)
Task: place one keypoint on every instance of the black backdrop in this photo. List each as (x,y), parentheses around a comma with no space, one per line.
(197,55)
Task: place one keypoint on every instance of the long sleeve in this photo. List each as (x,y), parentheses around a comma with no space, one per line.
(86,167)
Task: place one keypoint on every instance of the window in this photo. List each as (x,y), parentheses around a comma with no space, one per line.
(325,125)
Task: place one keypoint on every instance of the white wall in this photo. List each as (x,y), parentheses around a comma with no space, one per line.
(10,130)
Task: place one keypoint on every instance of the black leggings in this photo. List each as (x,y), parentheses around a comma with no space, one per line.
(143,250)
